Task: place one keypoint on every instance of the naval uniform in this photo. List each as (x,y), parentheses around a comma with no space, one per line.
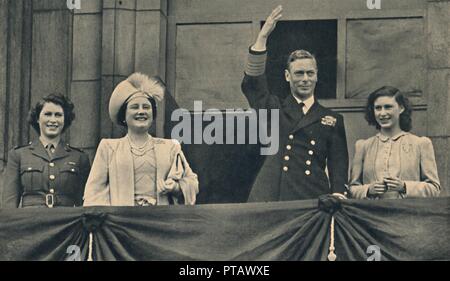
(308,143)
(40,177)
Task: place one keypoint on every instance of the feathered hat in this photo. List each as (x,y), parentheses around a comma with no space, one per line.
(137,84)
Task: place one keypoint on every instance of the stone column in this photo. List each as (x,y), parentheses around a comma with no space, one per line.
(3,81)
(15,32)
(134,39)
(85,84)
(438,65)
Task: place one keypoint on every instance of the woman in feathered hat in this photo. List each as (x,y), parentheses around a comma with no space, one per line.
(138,169)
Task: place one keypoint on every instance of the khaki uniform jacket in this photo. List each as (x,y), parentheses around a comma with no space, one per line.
(31,174)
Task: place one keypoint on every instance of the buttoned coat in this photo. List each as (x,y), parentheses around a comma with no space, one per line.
(307,145)
(111,181)
(417,167)
(31,174)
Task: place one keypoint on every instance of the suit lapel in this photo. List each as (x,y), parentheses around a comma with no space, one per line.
(164,167)
(61,151)
(160,155)
(291,108)
(313,115)
(38,150)
(124,186)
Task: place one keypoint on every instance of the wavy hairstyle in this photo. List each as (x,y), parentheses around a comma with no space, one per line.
(388,91)
(298,55)
(58,99)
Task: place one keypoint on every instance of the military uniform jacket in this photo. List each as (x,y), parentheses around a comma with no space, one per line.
(308,145)
(31,174)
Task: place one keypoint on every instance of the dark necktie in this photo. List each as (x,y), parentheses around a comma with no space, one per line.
(301,105)
(50,149)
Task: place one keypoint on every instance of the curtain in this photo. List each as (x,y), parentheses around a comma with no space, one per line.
(408,229)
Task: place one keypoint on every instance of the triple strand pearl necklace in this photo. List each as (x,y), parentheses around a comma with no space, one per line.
(139,151)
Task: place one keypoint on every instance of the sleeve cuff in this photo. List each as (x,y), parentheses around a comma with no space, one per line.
(253,52)
(189,192)
(410,190)
(360,191)
(256,63)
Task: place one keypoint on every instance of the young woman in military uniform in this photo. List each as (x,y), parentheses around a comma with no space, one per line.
(46,172)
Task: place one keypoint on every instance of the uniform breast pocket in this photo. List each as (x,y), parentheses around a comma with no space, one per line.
(70,170)
(32,177)
(69,176)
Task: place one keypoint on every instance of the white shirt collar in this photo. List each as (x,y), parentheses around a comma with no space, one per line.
(308,102)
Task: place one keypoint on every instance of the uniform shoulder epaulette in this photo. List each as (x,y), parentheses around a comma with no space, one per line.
(75,148)
(23,145)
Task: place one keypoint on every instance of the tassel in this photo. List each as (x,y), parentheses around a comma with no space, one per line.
(332,256)
(91,238)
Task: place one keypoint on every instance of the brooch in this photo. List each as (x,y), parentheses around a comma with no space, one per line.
(329,121)
(407,147)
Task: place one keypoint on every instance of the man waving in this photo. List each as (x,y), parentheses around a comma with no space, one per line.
(311,137)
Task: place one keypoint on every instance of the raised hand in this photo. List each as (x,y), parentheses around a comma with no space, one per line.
(268,27)
(271,22)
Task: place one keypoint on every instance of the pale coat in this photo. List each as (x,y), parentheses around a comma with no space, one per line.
(111,181)
(417,167)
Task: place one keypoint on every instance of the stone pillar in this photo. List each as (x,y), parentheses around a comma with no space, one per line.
(3,80)
(85,84)
(134,38)
(438,119)
(15,32)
